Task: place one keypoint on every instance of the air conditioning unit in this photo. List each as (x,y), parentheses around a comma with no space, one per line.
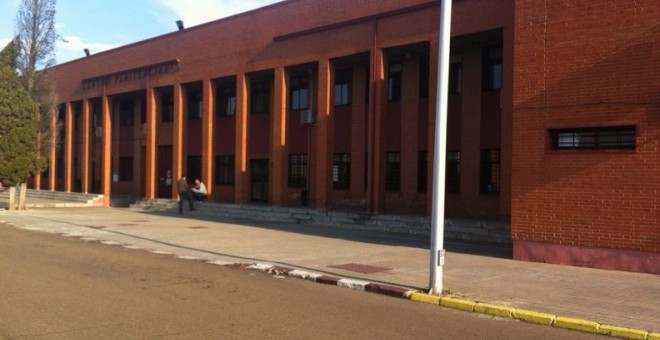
(307,117)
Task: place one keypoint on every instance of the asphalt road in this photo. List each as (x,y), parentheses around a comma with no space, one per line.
(53,287)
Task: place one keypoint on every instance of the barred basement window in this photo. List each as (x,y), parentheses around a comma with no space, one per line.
(393,171)
(297,171)
(341,171)
(224,170)
(490,171)
(596,138)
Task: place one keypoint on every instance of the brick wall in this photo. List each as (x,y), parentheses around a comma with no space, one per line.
(584,64)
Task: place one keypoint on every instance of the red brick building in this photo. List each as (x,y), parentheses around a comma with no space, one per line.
(553,117)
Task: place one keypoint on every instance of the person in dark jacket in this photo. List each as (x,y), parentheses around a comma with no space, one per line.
(182,187)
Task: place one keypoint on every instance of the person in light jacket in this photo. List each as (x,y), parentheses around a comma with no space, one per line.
(199,191)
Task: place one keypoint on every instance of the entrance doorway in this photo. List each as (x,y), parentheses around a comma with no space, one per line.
(165,180)
(259,180)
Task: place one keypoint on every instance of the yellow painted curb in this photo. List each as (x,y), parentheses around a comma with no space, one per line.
(533,317)
(622,332)
(495,310)
(576,324)
(426,298)
(653,336)
(455,303)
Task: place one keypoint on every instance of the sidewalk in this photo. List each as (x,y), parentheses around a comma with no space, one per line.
(614,298)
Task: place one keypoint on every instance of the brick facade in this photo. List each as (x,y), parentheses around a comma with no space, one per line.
(520,68)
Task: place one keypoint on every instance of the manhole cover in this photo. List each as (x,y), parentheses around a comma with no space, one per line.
(360,268)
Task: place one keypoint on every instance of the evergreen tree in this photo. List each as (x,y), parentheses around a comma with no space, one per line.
(18,128)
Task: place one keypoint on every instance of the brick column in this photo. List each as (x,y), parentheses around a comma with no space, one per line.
(241,179)
(433,102)
(106,149)
(86,142)
(150,144)
(68,148)
(52,171)
(208,126)
(278,155)
(177,138)
(375,160)
(322,159)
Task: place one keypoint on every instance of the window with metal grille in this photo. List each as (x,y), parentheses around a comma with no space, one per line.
(393,171)
(490,171)
(224,170)
(612,137)
(341,171)
(343,86)
(298,171)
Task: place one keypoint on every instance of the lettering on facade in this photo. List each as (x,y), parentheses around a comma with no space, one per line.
(149,71)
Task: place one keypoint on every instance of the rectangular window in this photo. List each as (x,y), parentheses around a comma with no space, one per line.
(126,113)
(224,170)
(422,172)
(394,81)
(453,172)
(596,138)
(343,86)
(424,76)
(490,171)
(167,108)
(455,74)
(226,102)
(260,96)
(492,68)
(341,171)
(195,106)
(126,169)
(143,110)
(298,92)
(194,168)
(393,171)
(298,171)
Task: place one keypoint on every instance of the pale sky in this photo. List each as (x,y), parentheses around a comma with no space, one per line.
(100,25)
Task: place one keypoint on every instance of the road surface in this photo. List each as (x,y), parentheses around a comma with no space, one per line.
(53,287)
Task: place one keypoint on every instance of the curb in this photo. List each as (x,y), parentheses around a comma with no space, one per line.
(462,304)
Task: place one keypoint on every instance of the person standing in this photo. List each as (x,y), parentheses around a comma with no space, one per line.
(199,191)
(182,187)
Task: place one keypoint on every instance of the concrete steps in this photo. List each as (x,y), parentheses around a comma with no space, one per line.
(36,199)
(480,230)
